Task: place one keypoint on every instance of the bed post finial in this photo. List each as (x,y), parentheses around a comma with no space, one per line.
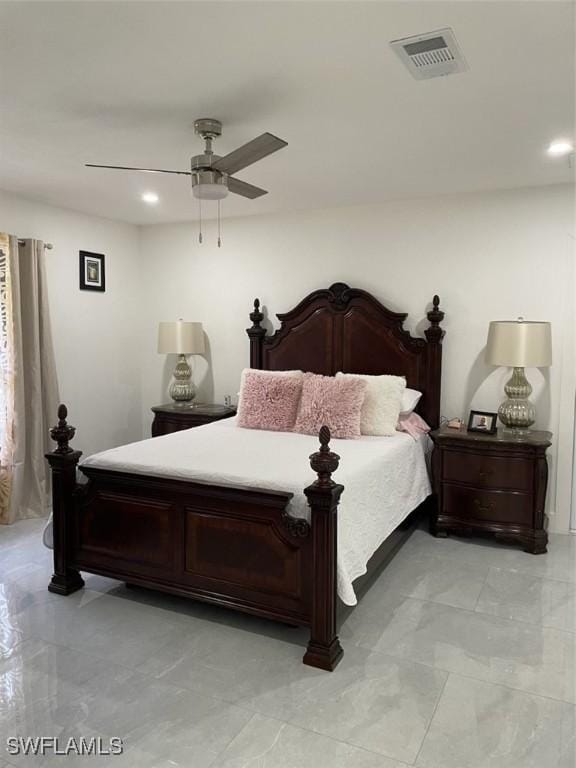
(324,462)
(63,433)
(256,316)
(63,461)
(324,650)
(256,334)
(435,316)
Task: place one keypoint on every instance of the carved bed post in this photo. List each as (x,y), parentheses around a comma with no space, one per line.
(434,335)
(63,461)
(256,334)
(324,650)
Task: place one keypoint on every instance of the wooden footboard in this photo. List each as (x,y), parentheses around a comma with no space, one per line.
(236,547)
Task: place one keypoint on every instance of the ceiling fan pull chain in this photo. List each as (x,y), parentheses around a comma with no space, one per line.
(200,220)
(219,238)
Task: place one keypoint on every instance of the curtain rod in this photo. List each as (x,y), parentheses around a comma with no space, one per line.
(46,245)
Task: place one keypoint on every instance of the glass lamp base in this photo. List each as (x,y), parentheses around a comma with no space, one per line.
(182,389)
(517,413)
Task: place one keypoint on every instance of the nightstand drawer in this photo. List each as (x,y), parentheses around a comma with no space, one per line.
(166,426)
(487,471)
(480,504)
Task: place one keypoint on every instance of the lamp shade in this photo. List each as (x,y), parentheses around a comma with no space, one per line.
(181,338)
(519,343)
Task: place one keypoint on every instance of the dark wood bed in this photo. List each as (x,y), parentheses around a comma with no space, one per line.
(238,547)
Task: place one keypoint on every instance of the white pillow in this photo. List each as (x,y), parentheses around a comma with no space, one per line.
(410,399)
(382,402)
(296,374)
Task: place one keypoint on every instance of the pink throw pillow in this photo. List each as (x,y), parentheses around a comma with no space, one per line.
(337,403)
(297,374)
(269,401)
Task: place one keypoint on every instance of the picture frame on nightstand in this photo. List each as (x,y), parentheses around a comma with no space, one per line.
(483,421)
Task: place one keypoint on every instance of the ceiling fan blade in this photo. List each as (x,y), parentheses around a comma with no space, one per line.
(249,153)
(128,168)
(244,189)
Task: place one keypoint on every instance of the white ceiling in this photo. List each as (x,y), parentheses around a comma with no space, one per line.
(121,83)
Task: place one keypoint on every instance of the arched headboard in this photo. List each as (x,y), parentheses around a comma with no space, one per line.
(347,329)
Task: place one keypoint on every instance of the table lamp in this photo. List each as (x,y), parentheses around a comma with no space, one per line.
(519,344)
(181,338)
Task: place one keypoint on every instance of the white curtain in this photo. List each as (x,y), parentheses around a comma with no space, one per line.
(29,390)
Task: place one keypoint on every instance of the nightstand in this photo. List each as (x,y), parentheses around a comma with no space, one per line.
(491,484)
(172,418)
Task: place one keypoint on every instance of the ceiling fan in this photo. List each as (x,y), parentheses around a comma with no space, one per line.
(211,174)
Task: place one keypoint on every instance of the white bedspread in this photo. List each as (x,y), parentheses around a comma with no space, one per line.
(384,478)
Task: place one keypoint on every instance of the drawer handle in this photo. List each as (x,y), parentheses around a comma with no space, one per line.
(484,507)
(485,474)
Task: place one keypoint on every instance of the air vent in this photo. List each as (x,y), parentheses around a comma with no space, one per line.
(433,55)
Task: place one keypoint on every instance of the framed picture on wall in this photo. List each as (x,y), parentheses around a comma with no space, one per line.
(92,271)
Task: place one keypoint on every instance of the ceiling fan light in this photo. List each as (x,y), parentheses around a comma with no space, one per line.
(210,191)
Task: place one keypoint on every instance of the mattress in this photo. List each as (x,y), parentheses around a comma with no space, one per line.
(384,478)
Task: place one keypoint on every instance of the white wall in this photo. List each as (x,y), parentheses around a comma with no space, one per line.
(95,334)
(489,256)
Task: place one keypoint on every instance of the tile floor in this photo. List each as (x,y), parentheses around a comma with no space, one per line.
(462,655)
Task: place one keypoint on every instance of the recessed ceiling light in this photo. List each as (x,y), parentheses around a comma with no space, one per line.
(150,197)
(560,148)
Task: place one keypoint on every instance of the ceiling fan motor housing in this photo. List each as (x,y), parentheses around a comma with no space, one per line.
(203,162)
(208,183)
